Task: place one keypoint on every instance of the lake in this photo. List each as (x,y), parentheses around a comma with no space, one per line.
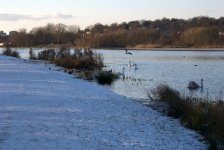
(172,67)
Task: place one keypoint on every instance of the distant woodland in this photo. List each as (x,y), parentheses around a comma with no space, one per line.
(194,32)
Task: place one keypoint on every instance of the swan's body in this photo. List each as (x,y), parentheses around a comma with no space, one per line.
(131,64)
(193,85)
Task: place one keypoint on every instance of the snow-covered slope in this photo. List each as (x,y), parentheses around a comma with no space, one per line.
(42,109)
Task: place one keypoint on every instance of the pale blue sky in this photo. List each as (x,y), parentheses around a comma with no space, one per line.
(16,14)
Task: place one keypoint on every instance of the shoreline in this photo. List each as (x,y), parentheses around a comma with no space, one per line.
(165,49)
(140,49)
(87,110)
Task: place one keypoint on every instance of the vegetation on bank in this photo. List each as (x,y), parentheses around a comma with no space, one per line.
(105,77)
(200,114)
(8,52)
(195,32)
(80,59)
(84,62)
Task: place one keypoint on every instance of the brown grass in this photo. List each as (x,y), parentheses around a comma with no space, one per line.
(81,59)
(200,114)
(148,46)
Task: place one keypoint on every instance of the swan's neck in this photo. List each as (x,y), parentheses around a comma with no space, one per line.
(202,83)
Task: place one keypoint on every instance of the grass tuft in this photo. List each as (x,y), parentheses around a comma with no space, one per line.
(200,114)
(106,77)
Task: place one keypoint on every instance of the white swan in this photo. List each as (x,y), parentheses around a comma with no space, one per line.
(192,85)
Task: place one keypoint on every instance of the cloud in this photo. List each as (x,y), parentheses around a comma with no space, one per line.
(18,17)
(13,17)
(63,16)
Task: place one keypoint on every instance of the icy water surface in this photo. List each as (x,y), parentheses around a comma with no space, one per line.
(175,68)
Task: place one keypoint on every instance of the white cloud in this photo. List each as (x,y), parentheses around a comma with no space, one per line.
(63,16)
(18,17)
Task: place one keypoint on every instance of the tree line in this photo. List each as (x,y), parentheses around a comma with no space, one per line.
(195,32)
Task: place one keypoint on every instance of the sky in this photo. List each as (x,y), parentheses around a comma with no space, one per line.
(17,14)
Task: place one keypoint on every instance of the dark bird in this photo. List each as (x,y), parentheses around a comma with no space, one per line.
(192,85)
(126,52)
(70,72)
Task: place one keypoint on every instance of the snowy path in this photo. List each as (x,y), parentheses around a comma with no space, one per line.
(42,109)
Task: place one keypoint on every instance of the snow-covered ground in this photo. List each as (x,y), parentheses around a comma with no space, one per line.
(42,109)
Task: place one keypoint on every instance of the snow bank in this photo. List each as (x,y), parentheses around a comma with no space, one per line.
(48,109)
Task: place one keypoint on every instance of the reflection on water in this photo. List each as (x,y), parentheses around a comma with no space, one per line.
(175,68)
